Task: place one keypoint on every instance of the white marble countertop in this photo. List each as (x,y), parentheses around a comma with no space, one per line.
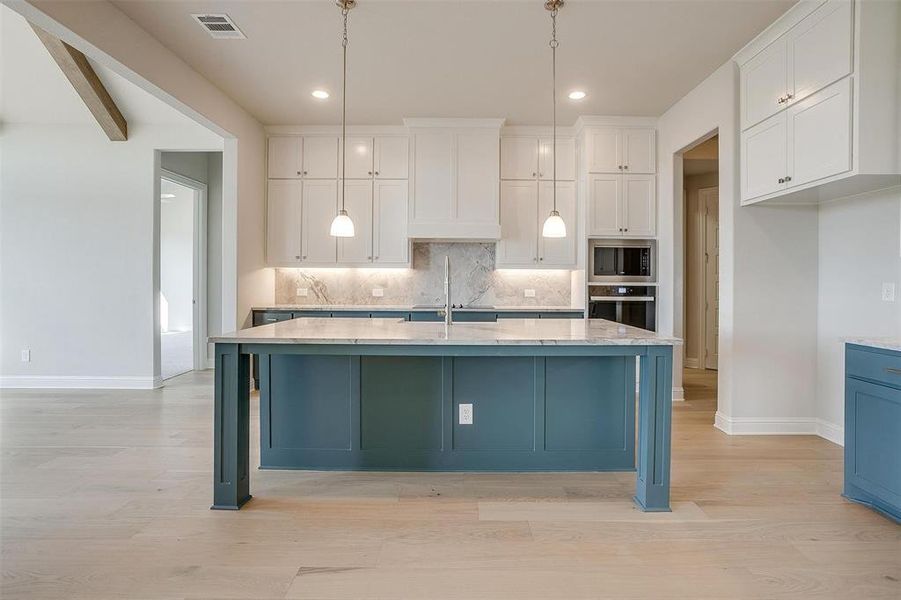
(413,308)
(392,331)
(887,343)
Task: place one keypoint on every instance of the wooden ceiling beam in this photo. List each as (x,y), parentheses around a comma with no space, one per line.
(81,75)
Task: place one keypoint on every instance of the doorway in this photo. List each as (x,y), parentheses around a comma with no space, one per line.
(182,263)
(700,190)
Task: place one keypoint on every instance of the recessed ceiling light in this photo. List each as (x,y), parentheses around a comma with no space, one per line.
(320,94)
(576,95)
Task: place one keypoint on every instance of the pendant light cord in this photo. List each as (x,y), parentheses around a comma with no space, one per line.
(553,44)
(344,12)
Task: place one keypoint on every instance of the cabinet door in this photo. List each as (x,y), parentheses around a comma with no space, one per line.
(433,174)
(604,205)
(358,203)
(477,177)
(764,158)
(283,218)
(320,157)
(557,252)
(605,148)
(320,205)
(392,155)
(359,158)
(819,48)
(518,246)
(390,243)
(639,205)
(566,159)
(519,158)
(639,151)
(285,157)
(764,80)
(819,134)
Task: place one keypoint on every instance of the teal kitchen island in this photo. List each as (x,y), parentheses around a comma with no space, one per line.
(389,394)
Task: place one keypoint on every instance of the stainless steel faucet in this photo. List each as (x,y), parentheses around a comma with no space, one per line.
(448,307)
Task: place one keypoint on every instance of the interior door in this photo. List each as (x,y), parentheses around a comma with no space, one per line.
(605,205)
(639,205)
(519,158)
(709,198)
(285,157)
(320,205)
(392,157)
(566,159)
(320,157)
(820,48)
(518,246)
(390,243)
(764,164)
(283,221)
(358,203)
(819,134)
(359,158)
(557,252)
(639,151)
(764,80)
(605,150)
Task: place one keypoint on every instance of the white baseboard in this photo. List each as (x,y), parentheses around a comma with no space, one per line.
(779,426)
(678,394)
(80,383)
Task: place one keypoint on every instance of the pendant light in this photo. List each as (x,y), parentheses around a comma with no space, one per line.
(554,227)
(343,226)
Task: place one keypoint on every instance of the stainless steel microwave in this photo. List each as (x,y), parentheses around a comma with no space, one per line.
(622,261)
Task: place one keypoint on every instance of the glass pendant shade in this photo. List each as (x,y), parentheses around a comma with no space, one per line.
(342,226)
(554,227)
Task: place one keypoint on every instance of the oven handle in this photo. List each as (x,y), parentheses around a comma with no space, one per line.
(622,298)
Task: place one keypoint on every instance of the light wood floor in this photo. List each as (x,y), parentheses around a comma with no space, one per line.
(106,495)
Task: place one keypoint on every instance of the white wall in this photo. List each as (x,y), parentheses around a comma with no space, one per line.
(859,249)
(177,256)
(77,235)
(768,274)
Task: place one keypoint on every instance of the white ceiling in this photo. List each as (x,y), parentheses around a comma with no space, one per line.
(458,58)
(34,89)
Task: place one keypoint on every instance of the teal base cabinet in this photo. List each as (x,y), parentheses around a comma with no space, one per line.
(873,428)
(396,407)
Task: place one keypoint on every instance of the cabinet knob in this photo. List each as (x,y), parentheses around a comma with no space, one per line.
(780,100)
(304,256)
(376,172)
(368,258)
(298,256)
(620,167)
(298,172)
(626,167)
(788,178)
(304,172)
(782,180)
(789,97)
(370,172)
(376,257)
(626,229)
(542,258)
(534,174)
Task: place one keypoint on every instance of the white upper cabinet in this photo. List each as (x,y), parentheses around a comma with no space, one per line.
(605,205)
(557,252)
(566,159)
(359,158)
(832,129)
(392,156)
(285,157)
(320,157)
(390,245)
(621,150)
(320,205)
(518,246)
(639,206)
(454,179)
(519,158)
(764,84)
(622,206)
(284,198)
(358,203)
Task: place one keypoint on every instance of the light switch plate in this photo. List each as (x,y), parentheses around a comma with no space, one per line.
(465,414)
(529,293)
(302,292)
(26,355)
(888,291)
(378,292)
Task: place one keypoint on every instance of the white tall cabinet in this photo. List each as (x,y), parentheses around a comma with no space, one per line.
(303,196)
(819,102)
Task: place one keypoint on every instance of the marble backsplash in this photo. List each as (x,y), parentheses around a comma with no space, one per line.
(474,281)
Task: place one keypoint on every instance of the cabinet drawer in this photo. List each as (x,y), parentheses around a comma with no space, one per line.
(475,317)
(310,313)
(883,366)
(267,317)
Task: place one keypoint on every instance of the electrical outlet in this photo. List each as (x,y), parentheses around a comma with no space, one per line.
(465,414)
(529,293)
(26,355)
(302,292)
(888,291)
(377,292)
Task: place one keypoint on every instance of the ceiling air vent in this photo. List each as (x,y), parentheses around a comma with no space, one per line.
(220,27)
